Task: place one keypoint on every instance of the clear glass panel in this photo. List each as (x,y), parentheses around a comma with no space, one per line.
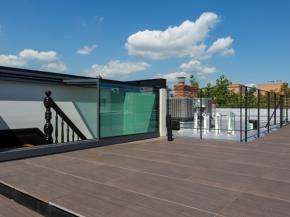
(86,107)
(127,109)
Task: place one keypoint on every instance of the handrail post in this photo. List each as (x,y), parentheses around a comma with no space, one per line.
(200,113)
(246,114)
(275,107)
(98,130)
(48,128)
(268,113)
(241,113)
(169,128)
(168,119)
(281,111)
(287,107)
(258,122)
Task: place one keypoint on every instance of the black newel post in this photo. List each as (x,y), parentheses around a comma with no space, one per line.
(48,128)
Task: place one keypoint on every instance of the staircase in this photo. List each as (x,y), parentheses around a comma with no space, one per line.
(64,130)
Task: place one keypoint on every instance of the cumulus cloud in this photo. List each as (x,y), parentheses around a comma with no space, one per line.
(196,67)
(187,69)
(86,50)
(11,60)
(222,46)
(117,68)
(172,77)
(30,54)
(54,67)
(48,60)
(186,39)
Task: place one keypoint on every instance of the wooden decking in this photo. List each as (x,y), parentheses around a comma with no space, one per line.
(9,208)
(184,178)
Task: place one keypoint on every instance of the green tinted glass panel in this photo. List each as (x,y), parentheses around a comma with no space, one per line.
(127,110)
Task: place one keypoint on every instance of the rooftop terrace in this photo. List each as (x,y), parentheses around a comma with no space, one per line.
(185,177)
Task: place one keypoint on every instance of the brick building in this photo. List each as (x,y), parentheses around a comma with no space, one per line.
(183,90)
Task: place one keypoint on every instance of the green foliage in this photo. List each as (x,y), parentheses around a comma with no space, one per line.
(285,89)
(224,97)
(193,81)
(220,93)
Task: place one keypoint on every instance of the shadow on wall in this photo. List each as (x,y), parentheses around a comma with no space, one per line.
(3,124)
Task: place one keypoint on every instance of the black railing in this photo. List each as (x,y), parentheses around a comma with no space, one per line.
(243,114)
(274,114)
(66,125)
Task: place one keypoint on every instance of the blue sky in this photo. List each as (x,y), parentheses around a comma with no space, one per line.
(248,41)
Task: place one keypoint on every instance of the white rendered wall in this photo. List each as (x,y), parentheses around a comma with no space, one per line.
(21,104)
(162,111)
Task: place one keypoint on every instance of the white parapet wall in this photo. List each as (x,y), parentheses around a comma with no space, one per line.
(162,111)
(21,105)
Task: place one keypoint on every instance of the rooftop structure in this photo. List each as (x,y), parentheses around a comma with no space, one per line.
(183,90)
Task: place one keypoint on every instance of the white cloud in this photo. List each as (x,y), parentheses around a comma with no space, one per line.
(48,59)
(11,60)
(178,41)
(30,54)
(117,68)
(187,69)
(172,77)
(54,67)
(196,67)
(86,50)
(222,46)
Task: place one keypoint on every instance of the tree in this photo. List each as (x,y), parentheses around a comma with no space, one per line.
(220,93)
(285,89)
(193,81)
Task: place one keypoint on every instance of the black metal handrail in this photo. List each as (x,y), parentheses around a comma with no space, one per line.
(49,104)
(273,114)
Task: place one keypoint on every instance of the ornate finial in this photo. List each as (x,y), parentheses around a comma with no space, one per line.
(48,93)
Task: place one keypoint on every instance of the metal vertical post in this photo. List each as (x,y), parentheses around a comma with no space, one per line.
(168,120)
(287,107)
(246,114)
(169,128)
(275,103)
(98,109)
(268,113)
(241,113)
(258,124)
(281,111)
(200,113)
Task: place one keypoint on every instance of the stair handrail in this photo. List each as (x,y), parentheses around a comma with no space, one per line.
(49,104)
